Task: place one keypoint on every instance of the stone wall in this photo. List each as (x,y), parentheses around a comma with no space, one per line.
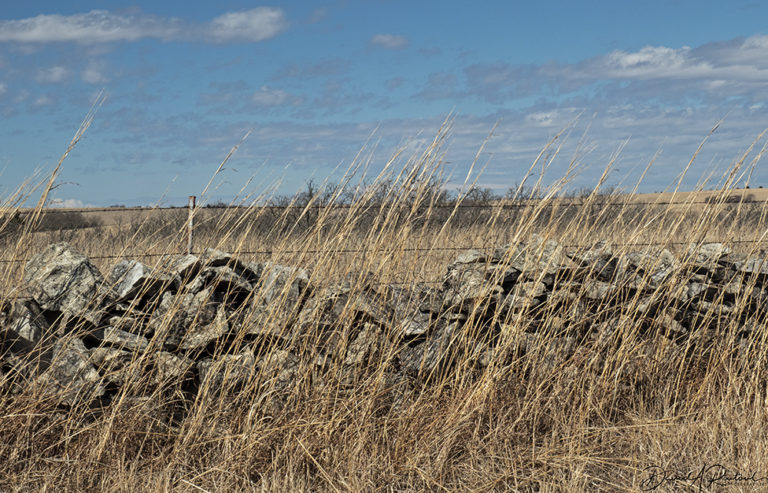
(216,323)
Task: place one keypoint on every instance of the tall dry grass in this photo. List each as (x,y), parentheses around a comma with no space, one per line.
(594,421)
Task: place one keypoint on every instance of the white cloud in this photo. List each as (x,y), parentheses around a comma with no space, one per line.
(268,96)
(3,88)
(715,63)
(541,119)
(649,56)
(654,62)
(250,25)
(67,203)
(96,26)
(93,75)
(52,75)
(101,26)
(42,101)
(389,41)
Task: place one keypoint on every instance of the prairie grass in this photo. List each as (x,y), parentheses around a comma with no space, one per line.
(594,421)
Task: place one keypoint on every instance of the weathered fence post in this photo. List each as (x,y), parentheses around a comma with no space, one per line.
(190,223)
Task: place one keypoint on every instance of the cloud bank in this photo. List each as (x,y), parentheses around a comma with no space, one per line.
(101,26)
(389,41)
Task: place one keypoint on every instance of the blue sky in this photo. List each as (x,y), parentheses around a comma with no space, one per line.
(313,81)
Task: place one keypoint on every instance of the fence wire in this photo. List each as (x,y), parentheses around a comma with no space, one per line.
(605,201)
(522,204)
(362,250)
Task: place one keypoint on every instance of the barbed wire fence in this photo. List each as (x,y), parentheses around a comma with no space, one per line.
(193,210)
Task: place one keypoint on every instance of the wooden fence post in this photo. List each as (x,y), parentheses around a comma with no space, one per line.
(190,223)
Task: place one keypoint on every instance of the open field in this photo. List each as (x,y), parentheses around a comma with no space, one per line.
(121,216)
(586,392)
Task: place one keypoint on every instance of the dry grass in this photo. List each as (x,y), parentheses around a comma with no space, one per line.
(592,422)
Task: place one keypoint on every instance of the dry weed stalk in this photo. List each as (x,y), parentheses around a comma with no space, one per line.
(535,421)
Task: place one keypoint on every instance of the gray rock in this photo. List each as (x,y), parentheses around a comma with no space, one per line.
(466,287)
(546,353)
(363,354)
(276,300)
(115,365)
(339,305)
(690,291)
(540,259)
(26,324)
(201,334)
(347,332)
(278,371)
(168,321)
(221,278)
(411,309)
(278,368)
(471,257)
(670,327)
(189,321)
(185,267)
(709,309)
(427,359)
(753,267)
(524,295)
(708,255)
(414,324)
(227,371)
(134,323)
(595,290)
(365,347)
(70,377)
(279,283)
(649,269)
(170,368)
(216,258)
(130,278)
(62,279)
(122,339)
(597,261)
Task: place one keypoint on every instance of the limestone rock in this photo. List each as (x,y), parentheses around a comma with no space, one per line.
(114,365)
(334,305)
(213,258)
(64,280)
(277,299)
(222,278)
(201,334)
(595,290)
(278,368)
(425,360)
(411,309)
(71,377)
(525,295)
(122,339)
(170,368)
(466,287)
(540,259)
(190,321)
(26,325)
(130,278)
(708,255)
(229,370)
(185,267)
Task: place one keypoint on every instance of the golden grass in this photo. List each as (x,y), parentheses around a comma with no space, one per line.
(594,421)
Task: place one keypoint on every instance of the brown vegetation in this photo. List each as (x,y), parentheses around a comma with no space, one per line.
(588,424)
